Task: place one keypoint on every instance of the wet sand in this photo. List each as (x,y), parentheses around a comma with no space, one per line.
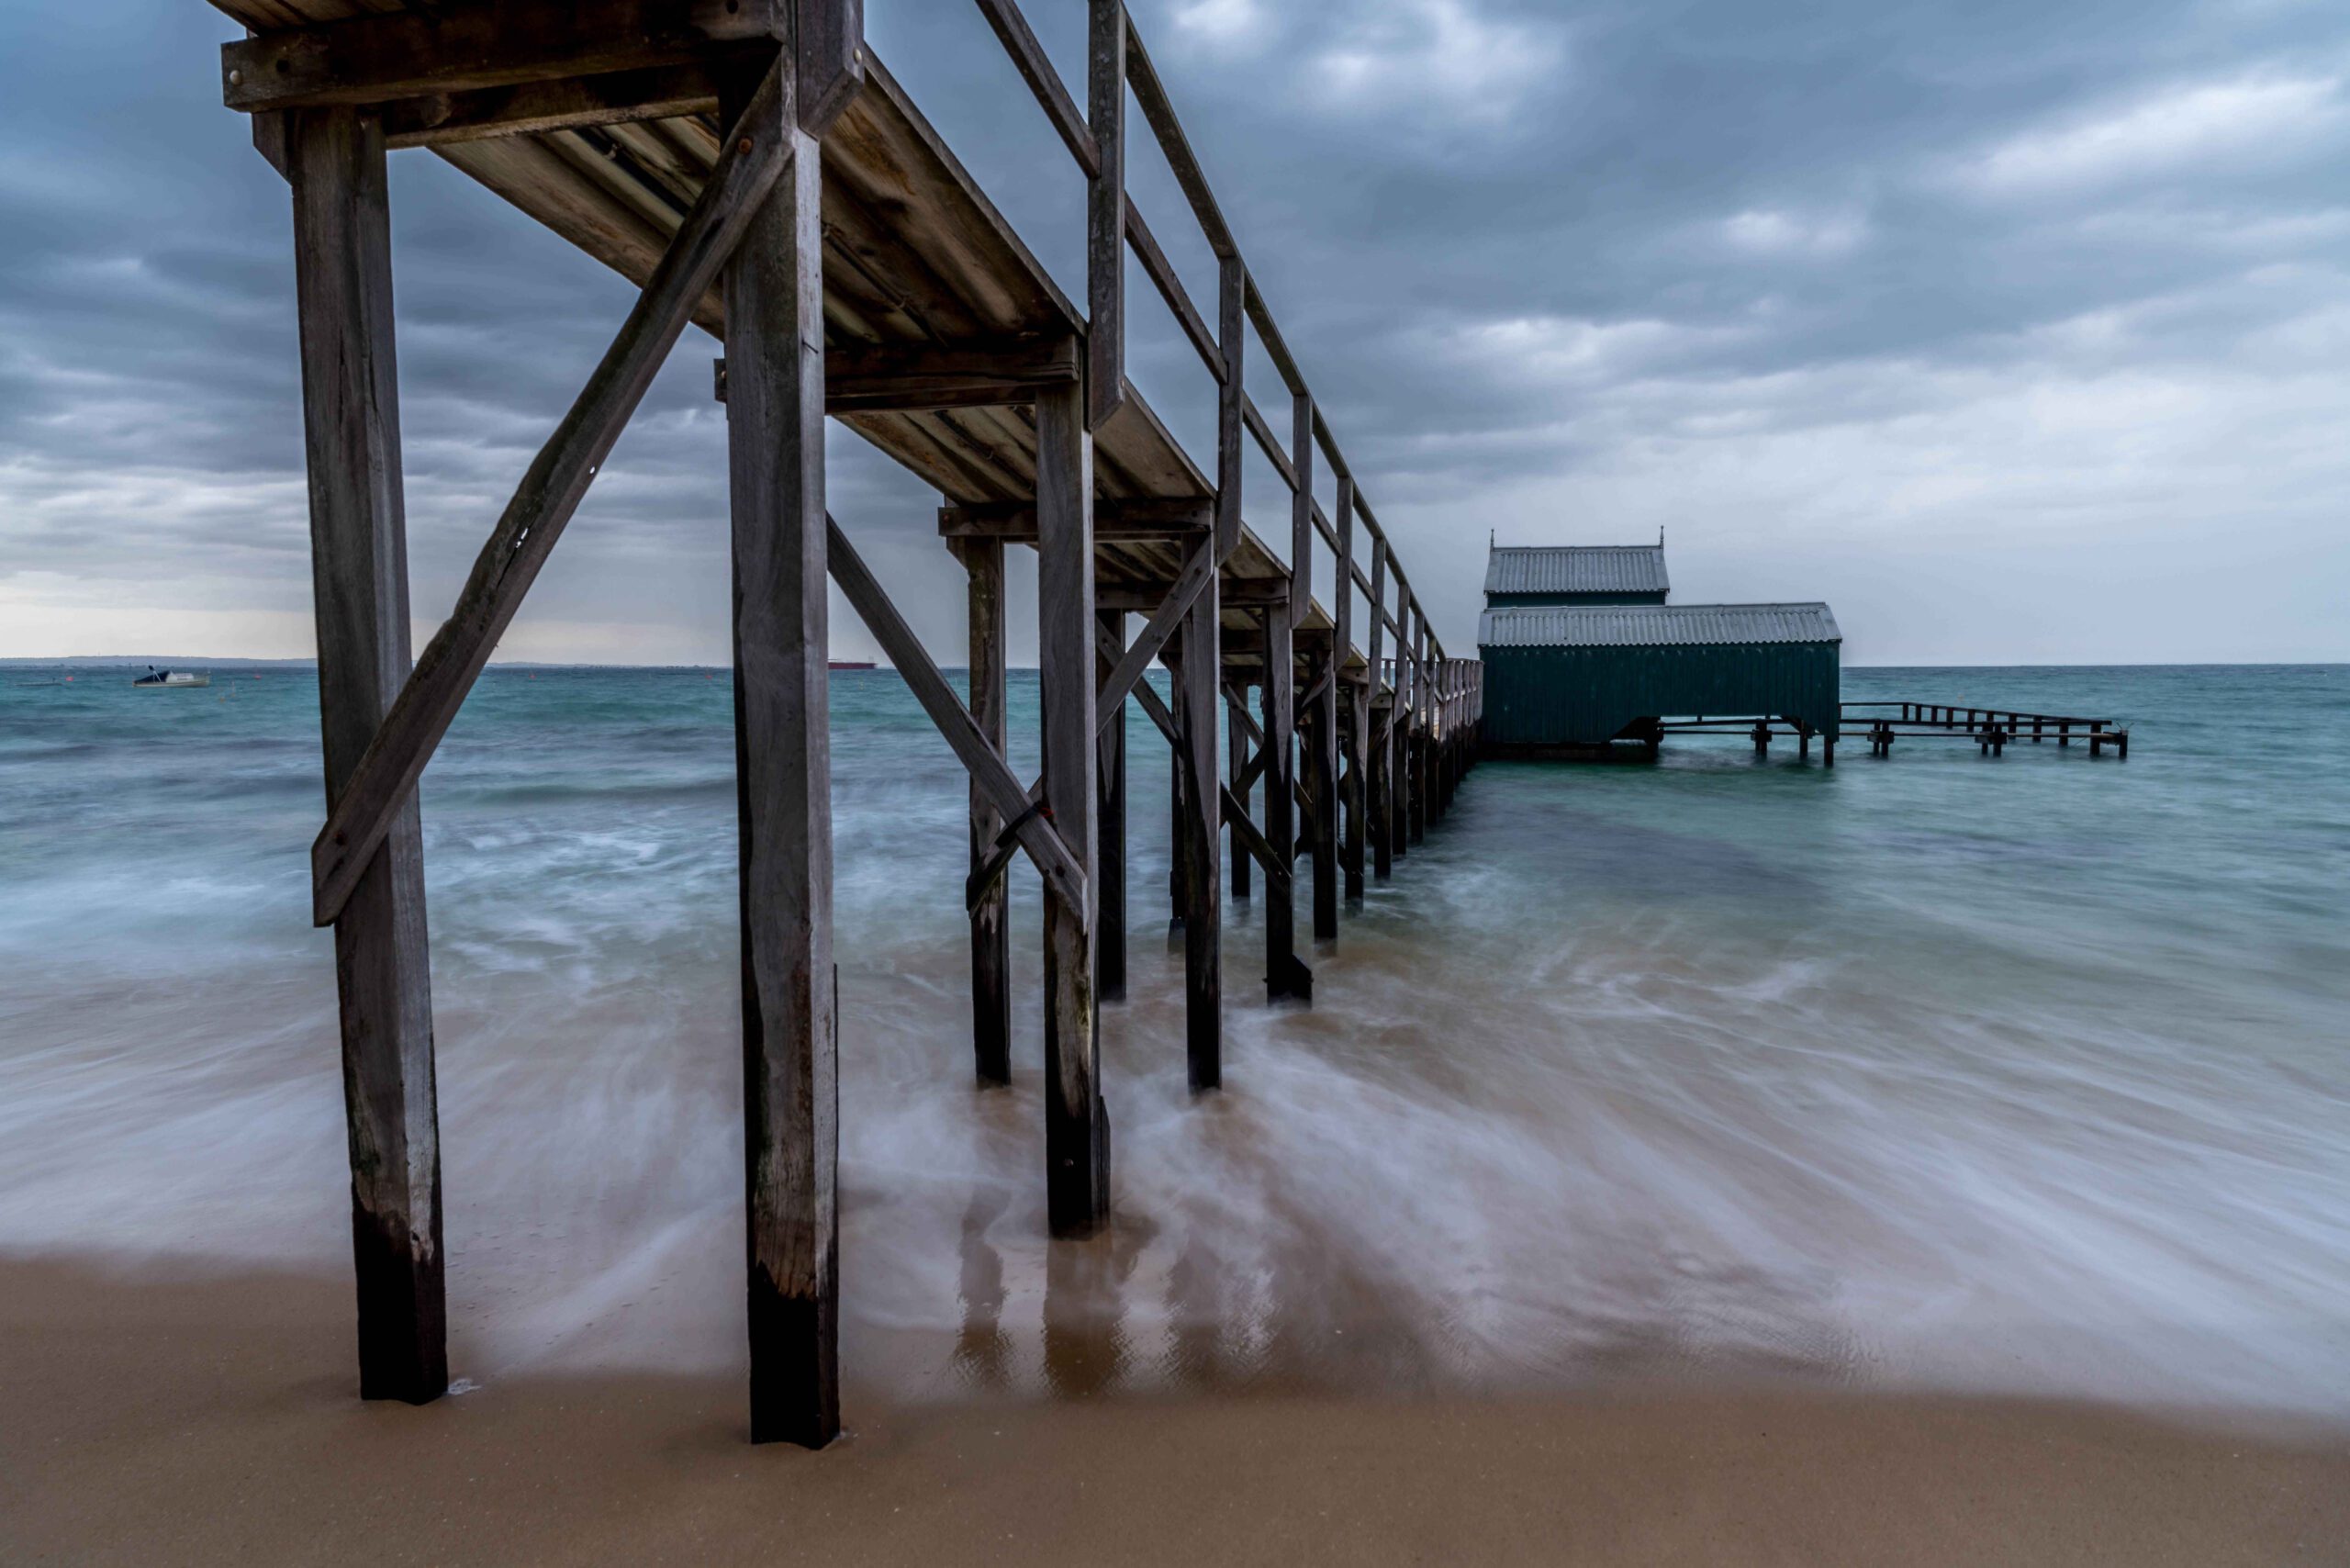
(159,1416)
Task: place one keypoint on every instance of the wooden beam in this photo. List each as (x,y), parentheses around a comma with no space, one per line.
(1056,860)
(990,914)
(376,58)
(914,377)
(528,108)
(342,279)
(754,157)
(1077,1122)
(1029,59)
(1301,508)
(775,318)
(1244,593)
(1147,519)
(828,46)
(1105,211)
(893,378)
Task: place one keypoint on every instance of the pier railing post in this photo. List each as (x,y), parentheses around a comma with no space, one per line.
(1423,709)
(1077,1134)
(775,409)
(342,274)
(991,917)
(1106,245)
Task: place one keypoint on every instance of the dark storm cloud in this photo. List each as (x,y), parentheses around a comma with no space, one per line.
(1909,306)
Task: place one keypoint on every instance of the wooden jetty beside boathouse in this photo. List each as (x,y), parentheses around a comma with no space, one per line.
(759,174)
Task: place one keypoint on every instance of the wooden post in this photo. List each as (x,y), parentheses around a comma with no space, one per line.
(1323,778)
(1077,1130)
(1236,741)
(1110,876)
(1423,707)
(1381,750)
(1105,228)
(990,919)
(1357,698)
(775,412)
(1178,900)
(343,276)
(1399,733)
(1232,343)
(1199,695)
(1281,966)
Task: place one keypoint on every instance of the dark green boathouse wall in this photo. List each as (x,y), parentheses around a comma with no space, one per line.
(1580,695)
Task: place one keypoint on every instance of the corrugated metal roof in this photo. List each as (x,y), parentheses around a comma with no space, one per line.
(1577,569)
(1654,625)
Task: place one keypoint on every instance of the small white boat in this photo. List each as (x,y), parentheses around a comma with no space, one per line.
(158,679)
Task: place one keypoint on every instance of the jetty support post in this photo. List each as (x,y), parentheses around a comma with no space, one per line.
(1423,709)
(1322,784)
(990,914)
(1077,1133)
(1399,731)
(775,333)
(1381,812)
(1198,693)
(342,273)
(1243,785)
(1109,872)
(1356,697)
(1285,976)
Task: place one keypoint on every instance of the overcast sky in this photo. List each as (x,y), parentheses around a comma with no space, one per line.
(2019,333)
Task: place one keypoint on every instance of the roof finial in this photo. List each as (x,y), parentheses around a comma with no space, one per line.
(1659,536)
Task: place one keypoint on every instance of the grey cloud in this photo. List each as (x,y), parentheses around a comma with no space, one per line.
(1831,289)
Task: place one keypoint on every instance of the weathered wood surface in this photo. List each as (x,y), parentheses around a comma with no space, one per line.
(991,914)
(342,274)
(1077,1122)
(1285,976)
(374,59)
(1110,835)
(783,779)
(1105,211)
(1199,689)
(1236,791)
(550,492)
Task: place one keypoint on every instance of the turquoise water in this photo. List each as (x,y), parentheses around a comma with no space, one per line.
(2025,1074)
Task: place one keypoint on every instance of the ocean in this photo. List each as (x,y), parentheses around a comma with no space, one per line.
(2024,1074)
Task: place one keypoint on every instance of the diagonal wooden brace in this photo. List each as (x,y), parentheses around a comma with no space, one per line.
(1250,838)
(755,156)
(1043,841)
(1198,571)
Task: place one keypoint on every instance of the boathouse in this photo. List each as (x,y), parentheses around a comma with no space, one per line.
(1581,648)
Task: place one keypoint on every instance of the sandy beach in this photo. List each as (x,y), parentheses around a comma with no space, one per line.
(166,1416)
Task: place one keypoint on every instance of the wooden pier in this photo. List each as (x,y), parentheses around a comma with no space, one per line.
(755,169)
(1991,729)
